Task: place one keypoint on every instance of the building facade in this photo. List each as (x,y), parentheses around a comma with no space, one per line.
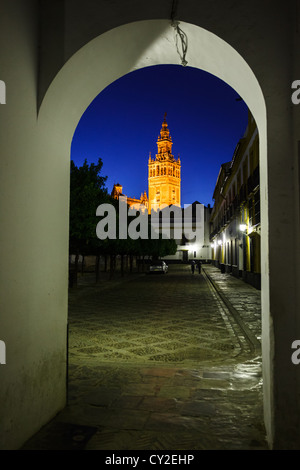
(131,201)
(164,173)
(235,219)
(193,225)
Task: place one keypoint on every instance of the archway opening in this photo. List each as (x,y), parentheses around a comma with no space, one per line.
(103,60)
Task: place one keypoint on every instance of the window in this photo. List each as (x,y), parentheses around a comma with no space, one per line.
(239,181)
(251,213)
(245,171)
(257,208)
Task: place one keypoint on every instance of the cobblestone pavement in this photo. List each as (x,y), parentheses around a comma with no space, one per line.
(160,362)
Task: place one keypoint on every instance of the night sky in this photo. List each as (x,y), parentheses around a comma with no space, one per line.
(121,126)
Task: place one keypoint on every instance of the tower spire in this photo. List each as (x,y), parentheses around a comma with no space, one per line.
(165,133)
(164,176)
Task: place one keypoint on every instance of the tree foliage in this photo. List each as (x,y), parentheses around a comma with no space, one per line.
(87,191)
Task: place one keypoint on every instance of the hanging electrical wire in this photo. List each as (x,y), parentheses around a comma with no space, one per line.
(180,36)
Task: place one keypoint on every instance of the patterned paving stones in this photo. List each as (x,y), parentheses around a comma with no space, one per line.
(154,363)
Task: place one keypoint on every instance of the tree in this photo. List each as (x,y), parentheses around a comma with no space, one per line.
(87,191)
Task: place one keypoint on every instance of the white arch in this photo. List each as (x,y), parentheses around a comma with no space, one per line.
(137,45)
(147,43)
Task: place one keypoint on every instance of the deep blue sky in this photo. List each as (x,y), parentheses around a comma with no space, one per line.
(123,122)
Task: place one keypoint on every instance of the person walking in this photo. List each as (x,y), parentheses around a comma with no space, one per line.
(193,266)
(199,267)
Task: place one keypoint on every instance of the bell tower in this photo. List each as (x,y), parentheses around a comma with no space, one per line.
(164,173)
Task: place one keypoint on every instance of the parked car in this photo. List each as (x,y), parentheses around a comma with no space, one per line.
(158,266)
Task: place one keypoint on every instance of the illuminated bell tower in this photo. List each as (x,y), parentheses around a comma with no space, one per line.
(164,173)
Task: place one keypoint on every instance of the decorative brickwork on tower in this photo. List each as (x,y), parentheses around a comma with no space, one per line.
(164,173)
